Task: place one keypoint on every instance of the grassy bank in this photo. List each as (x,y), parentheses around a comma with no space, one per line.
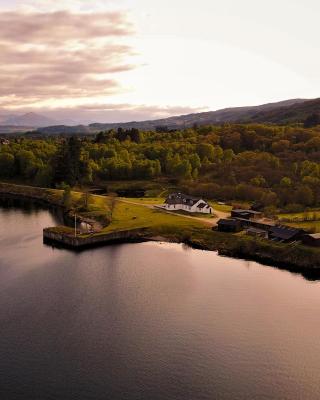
(90,208)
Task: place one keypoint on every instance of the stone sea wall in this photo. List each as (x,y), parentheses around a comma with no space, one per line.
(52,235)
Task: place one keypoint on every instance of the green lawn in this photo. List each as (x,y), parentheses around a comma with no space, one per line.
(220,207)
(310,214)
(129,216)
(308,220)
(144,200)
(310,226)
(193,214)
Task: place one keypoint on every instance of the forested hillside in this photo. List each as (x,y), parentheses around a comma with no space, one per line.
(297,112)
(275,166)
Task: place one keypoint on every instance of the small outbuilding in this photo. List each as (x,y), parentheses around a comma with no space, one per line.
(311,239)
(4,141)
(229,225)
(246,214)
(255,232)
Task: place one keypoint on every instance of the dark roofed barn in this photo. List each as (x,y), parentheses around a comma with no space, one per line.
(229,225)
(283,233)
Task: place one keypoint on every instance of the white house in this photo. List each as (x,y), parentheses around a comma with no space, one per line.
(180,201)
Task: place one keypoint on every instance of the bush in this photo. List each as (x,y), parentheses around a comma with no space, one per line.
(293,208)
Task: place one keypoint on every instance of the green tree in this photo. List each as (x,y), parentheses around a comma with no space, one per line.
(205,150)
(285,182)
(312,120)
(7,165)
(304,196)
(258,181)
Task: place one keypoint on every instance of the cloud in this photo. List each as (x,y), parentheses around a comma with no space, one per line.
(60,26)
(62,54)
(75,5)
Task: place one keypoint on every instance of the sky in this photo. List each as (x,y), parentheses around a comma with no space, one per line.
(123,60)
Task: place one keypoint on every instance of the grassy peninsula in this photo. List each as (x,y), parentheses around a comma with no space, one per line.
(127,214)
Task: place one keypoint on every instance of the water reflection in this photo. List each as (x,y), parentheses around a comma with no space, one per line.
(149,321)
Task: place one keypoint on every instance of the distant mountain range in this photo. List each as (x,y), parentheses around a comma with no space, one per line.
(30,119)
(283,112)
(296,112)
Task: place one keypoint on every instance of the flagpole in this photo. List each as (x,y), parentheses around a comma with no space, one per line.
(75,224)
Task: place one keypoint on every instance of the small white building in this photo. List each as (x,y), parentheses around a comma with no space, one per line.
(5,142)
(180,201)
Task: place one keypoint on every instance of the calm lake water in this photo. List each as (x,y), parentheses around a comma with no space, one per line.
(149,321)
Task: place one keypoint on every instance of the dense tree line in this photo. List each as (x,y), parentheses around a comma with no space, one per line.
(271,165)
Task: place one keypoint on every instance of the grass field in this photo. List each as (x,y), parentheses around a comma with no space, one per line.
(308,220)
(309,226)
(193,214)
(144,200)
(301,216)
(129,216)
(220,207)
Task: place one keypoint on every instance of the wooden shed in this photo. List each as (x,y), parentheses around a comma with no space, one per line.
(255,232)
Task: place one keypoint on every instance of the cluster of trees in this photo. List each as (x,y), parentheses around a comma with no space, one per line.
(272,165)
(27,160)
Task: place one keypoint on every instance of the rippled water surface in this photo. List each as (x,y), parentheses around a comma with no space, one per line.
(149,321)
